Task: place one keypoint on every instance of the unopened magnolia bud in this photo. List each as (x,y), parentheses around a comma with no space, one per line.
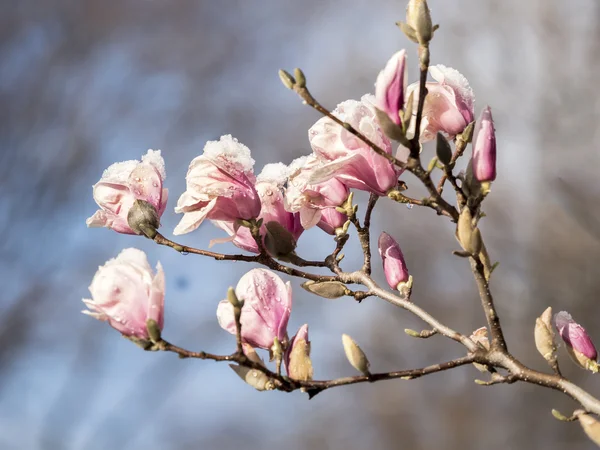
(408,31)
(469,236)
(153,330)
(577,341)
(418,18)
(142,218)
(298,363)
(287,80)
(279,242)
(591,426)
(255,378)
(300,77)
(544,336)
(356,357)
(233,298)
(443,150)
(326,289)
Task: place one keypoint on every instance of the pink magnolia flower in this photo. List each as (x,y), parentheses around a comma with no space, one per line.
(269,185)
(220,186)
(394,265)
(391,85)
(578,342)
(266,311)
(125,182)
(449,104)
(126,293)
(349,159)
(484,147)
(315,203)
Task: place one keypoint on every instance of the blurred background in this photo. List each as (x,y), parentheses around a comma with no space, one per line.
(85,83)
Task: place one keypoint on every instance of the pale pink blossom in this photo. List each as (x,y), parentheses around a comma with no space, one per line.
(269,185)
(394,266)
(126,293)
(266,311)
(125,182)
(347,158)
(220,186)
(449,104)
(315,203)
(484,147)
(391,86)
(576,339)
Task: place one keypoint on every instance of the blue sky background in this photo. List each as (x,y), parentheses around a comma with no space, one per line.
(84,84)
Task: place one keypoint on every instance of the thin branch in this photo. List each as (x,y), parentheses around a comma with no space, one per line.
(487,302)
(415,147)
(263,259)
(314,387)
(362,278)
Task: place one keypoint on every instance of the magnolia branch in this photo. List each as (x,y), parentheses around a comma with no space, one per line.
(263,259)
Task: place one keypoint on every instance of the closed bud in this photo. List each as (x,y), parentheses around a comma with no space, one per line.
(297,361)
(287,80)
(443,150)
(356,357)
(484,148)
(591,427)
(255,378)
(390,89)
(279,242)
(142,218)
(300,77)
(544,336)
(326,289)
(469,236)
(394,266)
(418,18)
(408,31)
(577,341)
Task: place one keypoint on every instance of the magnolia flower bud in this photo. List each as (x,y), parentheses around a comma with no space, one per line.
(443,150)
(577,341)
(142,218)
(468,235)
(255,378)
(394,265)
(591,427)
(297,358)
(484,148)
(326,289)
(419,19)
(356,357)
(279,242)
(544,336)
(390,87)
